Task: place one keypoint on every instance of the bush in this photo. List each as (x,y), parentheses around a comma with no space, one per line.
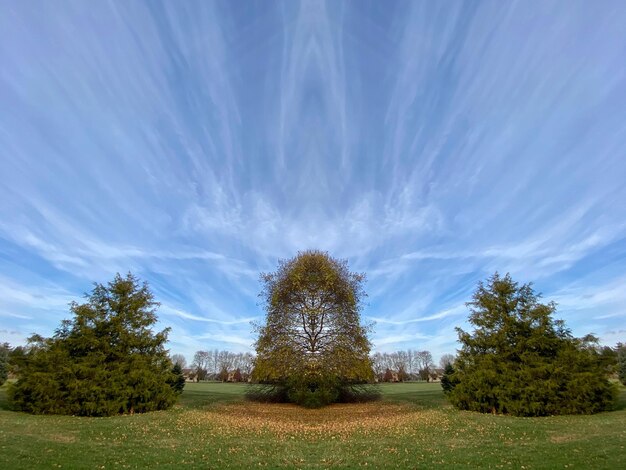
(520,361)
(105,361)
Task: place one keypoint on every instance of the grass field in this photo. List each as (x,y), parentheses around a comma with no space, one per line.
(213,427)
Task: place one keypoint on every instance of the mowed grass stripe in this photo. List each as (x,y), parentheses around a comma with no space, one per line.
(213,427)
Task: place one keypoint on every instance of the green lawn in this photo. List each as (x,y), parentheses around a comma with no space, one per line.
(213,427)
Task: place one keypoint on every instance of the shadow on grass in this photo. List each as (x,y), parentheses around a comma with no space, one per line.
(203,394)
(195,396)
(422,394)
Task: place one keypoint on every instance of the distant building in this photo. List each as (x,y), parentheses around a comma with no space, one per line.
(189,374)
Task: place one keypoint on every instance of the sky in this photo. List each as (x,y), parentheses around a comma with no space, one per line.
(197,143)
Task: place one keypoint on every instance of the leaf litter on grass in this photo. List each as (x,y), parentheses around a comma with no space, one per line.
(340,421)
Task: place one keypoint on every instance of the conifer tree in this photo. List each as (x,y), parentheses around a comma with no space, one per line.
(5,350)
(447,381)
(519,360)
(178,378)
(621,362)
(105,361)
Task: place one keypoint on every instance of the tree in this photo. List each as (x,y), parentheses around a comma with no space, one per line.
(518,360)
(410,363)
(223,375)
(424,360)
(5,350)
(400,363)
(200,364)
(621,362)
(178,378)
(313,343)
(105,361)
(378,365)
(225,362)
(445,360)
(448,382)
(608,357)
(180,360)
(407,364)
(246,365)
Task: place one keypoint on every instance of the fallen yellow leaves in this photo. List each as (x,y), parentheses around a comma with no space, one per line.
(338,421)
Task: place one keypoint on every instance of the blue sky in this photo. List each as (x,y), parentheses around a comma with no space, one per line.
(196,143)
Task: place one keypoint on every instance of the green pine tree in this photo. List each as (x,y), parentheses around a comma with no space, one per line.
(621,362)
(178,379)
(105,361)
(448,381)
(5,350)
(518,360)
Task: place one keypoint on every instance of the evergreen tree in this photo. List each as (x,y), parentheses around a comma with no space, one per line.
(5,350)
(448,381)
(621,362)
(105,361)
(518,360)
(178,379)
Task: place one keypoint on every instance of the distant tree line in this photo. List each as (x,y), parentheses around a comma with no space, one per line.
(400,366)
(221,365)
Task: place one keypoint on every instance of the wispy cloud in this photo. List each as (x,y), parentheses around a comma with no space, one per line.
(188,316)
(450,312)
(196,144)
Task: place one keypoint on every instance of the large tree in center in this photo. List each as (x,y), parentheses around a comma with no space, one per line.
(313,344)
